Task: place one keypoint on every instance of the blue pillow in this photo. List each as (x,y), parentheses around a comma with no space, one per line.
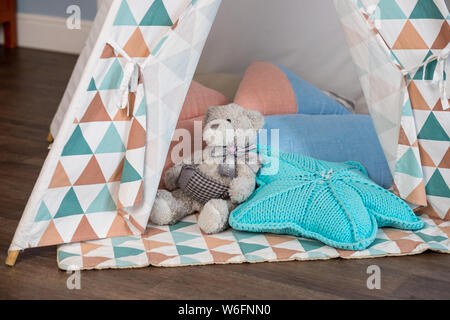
(335,203)
(336,138)
(311,100)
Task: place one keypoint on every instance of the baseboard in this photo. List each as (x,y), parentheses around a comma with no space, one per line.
(50,33)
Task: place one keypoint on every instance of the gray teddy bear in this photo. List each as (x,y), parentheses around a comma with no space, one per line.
(217,179)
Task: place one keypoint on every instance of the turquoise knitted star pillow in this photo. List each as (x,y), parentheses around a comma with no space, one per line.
(335,203)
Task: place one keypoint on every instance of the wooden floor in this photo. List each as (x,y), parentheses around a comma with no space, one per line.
(31,85)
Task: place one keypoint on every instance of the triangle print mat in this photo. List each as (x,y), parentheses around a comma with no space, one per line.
(184,244)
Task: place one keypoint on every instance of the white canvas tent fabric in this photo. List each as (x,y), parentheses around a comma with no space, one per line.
(79,67)
(401,49)
(101,175)
(100,178)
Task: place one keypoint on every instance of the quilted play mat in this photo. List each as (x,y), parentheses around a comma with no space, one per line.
(184,244)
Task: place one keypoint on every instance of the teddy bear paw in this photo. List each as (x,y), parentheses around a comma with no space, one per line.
(214,216)
(240,189)
(161,213)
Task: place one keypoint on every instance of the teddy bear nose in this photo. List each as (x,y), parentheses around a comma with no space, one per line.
(215,126)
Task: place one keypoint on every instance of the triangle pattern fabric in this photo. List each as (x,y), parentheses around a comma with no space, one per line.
(69,206)
(275,240)
(103,202)
(436,186)
(43,213)
(309,245)
(438,105)
(108,52)
(137,136)
(87,247)
(138,199)
(142,109)
(111,142)
(180,237)
(113,78)
(96,111)
(117,175)
(124,16)
(84,231)
(92,85)
(120,252)
(426,9)
(425,157)
(407,109)
(389,9)
(417,195)
(119,228)
(403,139)
(180,225)
(51,236)
(158,248)
(429,71)
(156,15)
(435,150)
(63,255)
(383,87)
(409,38)
(250,247)
(417,100)
(408,164)
(60,178)
(177,63)
(428,29)
(411,31)
(159,46)
(129,174)
(407,6)
(92,174)
(445,162)
(188,250)
(76,145)
(93,148)
(222,257)
(432,130)
(214,242)
(136,46)
(443,37)
(122,115)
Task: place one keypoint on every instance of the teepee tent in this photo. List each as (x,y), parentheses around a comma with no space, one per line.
(116,119)
(400,49)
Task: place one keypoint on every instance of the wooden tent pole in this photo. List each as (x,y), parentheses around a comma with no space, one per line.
(50,138)
(12,257)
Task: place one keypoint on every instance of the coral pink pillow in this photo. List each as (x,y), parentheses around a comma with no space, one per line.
(267,89)
(199,98)
(273,89)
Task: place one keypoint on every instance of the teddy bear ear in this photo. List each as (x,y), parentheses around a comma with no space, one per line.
(209,114)
(256,118)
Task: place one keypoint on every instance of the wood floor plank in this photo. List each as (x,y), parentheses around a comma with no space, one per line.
(31,85)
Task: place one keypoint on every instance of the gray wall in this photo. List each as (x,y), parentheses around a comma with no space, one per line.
(302,35)
(57,7)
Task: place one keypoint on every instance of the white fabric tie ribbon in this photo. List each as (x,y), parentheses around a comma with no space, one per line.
(440,75)
(130,81)
(129,84)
